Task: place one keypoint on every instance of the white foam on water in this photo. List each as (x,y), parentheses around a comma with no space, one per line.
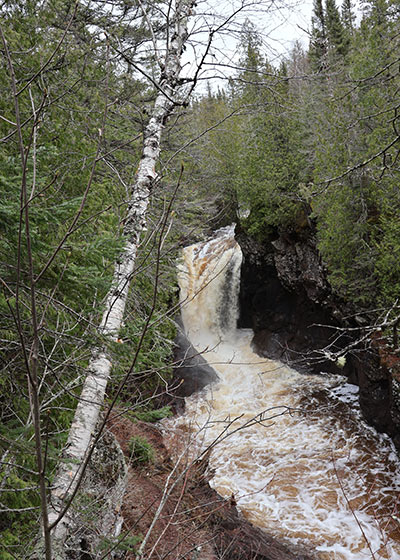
(293,448)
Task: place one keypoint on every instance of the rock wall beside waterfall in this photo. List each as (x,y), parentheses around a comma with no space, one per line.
(287,300)
(191,371)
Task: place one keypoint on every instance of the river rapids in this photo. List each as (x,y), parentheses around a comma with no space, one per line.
(291,448)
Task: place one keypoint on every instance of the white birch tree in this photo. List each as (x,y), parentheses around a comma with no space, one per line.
(81,437)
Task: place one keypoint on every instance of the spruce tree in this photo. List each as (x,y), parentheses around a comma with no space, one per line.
(335,29)
(348,20)
(348,15)
(318,42)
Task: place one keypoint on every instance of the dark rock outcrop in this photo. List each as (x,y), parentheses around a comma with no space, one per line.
(299,267)
(287,300)
(377,373)
(191,371)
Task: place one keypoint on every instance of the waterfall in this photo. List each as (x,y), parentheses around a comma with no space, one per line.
(209,280)
(292,448)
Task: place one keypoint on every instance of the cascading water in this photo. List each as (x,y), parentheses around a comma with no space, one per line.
(298,458)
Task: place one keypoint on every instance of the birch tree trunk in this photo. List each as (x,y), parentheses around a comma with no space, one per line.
(83,428)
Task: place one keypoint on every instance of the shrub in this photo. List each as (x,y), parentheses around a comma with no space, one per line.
(141,451)
(154,415)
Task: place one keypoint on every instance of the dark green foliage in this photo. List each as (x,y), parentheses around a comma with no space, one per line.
(330,35)
(77,203)
(269,164)
(348,17)
(356,214)
(335,28)
(141,451)
(153,415)
(318,42)
(320,152)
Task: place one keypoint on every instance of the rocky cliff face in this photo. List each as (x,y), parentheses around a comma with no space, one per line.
(287,300)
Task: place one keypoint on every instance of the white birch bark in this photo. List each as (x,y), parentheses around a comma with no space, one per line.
(98,372)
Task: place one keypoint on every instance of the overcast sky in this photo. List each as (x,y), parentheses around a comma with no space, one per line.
(279,25)
(291,24)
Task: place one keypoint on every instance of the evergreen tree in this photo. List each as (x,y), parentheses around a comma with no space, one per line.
(348,16)
(268,163)
(335,29)
(251,63)
(348,19)
(355,220)
(318,42)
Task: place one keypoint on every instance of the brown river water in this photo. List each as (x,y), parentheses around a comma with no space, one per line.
(292,448)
